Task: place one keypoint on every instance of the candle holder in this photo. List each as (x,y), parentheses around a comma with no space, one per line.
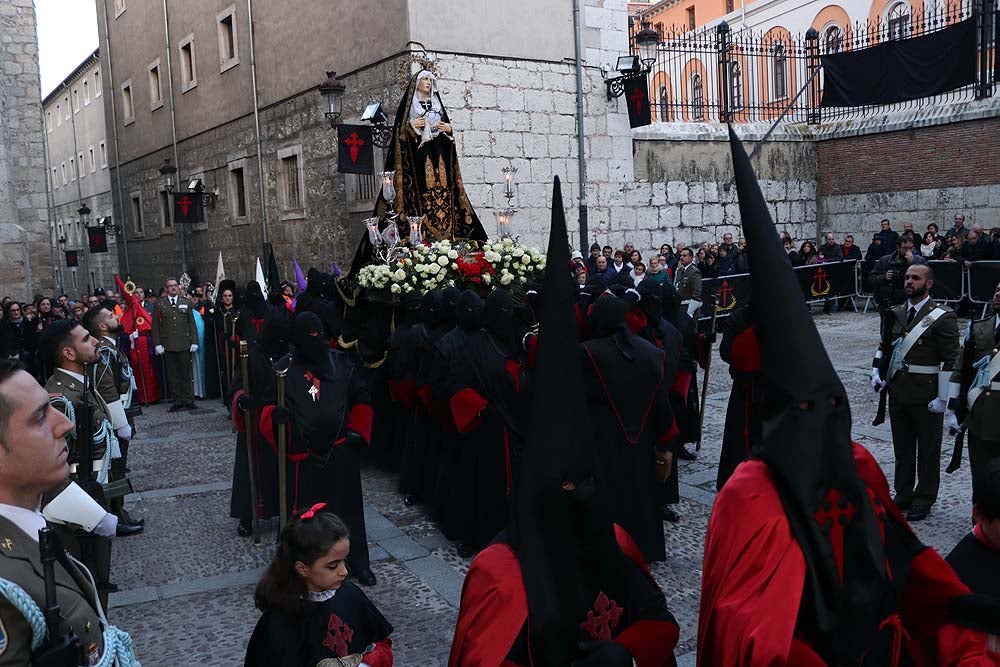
(416,229)
(389,187)
(504,217)
(373,235)
(508,174)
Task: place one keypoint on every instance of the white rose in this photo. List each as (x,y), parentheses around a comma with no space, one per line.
(433,268)
(525,259)
(394,288)
(454,266)
(443,260)
(506,279)
(487,279)
(399,276)
(452,254)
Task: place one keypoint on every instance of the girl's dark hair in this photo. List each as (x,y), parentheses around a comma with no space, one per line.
(304,540)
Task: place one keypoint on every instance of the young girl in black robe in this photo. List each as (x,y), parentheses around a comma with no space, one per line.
(311,612)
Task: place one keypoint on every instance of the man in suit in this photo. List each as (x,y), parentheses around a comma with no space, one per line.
(975,391)
(111,376)
(34,460)
(923,356)
(687,280)
(175,337)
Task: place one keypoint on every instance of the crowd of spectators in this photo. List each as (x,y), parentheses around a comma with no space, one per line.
(22,322)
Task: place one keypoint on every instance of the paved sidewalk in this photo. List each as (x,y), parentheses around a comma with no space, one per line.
(187,581)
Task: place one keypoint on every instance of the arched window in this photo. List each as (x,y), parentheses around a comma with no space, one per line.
(833,39)
(898,21)
(663,105)
(697,98)
(736,81)
(780,71)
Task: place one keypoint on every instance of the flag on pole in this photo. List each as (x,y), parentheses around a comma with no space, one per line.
(220,272)
(300,278)
(259,277)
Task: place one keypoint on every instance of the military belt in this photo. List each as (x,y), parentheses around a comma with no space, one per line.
(921,370)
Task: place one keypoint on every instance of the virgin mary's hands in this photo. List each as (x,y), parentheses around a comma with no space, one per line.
(444,127)
(418,123)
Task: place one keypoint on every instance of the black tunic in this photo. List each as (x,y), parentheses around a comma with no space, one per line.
(976,564)
(493,440)
(345,624)
(629,407)
(742,431)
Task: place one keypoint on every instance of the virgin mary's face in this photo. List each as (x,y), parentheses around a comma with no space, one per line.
(424,85)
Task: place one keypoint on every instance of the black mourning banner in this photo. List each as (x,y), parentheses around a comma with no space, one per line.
(983,279)
(902,69)
(72,261)
(354,146)
(637,100)
(97,239)
(729,292)
(948,281)
(188,208)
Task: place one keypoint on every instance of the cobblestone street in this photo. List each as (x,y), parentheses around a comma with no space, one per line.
(186,583)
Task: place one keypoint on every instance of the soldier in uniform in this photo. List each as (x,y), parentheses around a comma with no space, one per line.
(975,391)
(33,460)
(175,337)
(923,355)
(111,376)
(71,349)
(687,280)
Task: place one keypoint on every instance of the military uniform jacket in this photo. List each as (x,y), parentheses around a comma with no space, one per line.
(937,346)
(173,326)
(65,384)
(984,418)
(110,373)
(688,282)
(20,562)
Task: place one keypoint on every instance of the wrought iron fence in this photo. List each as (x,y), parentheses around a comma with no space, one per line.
(717,75)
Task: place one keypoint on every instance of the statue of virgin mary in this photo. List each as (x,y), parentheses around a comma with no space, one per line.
(428,180)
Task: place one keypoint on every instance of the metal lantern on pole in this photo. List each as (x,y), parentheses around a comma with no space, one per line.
(168,174)
(647,40)
(84,212)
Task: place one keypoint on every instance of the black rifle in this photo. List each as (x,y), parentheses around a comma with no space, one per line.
(887,317)
(962,404)
(62,646)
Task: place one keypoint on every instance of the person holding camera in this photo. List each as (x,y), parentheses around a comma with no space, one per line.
(888,274)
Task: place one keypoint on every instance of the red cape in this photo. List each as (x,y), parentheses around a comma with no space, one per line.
(754,574)
(495,608)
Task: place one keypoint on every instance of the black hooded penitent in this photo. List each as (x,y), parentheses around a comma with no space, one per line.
(565,541)
(807,446)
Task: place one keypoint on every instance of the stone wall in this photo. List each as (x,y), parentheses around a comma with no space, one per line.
(919,175)
(25,254)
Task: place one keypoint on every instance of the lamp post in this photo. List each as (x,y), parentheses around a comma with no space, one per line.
(168,178)
(647,42)
(332,91)
(84,212)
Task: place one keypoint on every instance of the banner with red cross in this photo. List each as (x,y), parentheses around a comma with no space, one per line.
(637,100)
(354,149)
(188,208)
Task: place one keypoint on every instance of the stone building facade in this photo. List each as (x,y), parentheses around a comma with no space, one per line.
(25,252)
(76,143)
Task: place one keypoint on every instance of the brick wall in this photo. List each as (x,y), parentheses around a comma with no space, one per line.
(955,155)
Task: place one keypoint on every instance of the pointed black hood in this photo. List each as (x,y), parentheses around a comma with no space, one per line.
(564,540)
(808,448)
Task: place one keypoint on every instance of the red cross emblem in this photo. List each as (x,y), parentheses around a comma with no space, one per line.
(354,142)
(314,389)
(819,280)
(338,636)
(832,518)
(602,618)
(185,203)
(638,100)
(726,291)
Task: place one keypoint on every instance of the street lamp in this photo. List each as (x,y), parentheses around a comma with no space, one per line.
(84,212)
(647,40)
(169,173)
(332,91)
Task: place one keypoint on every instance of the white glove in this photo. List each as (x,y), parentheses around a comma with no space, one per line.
(134,335)
(951,423)
(125,432)
(194,348)
(878,384)
(108,527)
(158,349)
(937,406)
